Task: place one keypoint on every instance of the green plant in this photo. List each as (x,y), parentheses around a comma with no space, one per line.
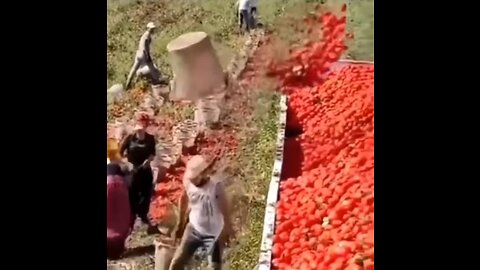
(255,167)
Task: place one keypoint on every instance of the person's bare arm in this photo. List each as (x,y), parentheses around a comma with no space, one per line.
(182,216)
(224,208)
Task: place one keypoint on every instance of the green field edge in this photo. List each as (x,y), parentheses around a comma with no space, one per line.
(255,166)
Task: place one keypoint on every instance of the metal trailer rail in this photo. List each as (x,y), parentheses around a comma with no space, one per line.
(265,257)
(272,198)
(344,62)
(348,61)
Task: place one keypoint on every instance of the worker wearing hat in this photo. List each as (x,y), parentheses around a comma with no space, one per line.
(143,64)
(139,148)
(205,202)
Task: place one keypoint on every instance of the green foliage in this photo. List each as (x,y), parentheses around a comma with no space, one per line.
(256,164)
(360,23)
(127,20)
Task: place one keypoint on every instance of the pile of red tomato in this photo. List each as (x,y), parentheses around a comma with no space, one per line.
(325,212)
(170,189)
(167,192)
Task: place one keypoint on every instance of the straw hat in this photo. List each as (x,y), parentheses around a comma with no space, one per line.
(151,25)
(195,166)
(139,126)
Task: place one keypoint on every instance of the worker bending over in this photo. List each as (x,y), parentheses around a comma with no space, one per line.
(143,65)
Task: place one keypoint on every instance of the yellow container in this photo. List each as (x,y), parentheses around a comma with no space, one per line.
(113,150)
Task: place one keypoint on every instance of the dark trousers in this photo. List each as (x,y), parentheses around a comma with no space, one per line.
(253,17)
(141,192)
(245,19)
(115,247)
(191,241)
(153,76)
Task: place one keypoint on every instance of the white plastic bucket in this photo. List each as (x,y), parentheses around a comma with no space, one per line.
(164,251)
(115,93)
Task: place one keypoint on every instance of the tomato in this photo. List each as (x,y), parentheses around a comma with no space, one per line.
(354,267)
(368,265)
(326,202)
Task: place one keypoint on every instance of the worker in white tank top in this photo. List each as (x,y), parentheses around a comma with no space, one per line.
(205,201)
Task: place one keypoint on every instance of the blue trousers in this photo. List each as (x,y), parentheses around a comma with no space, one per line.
(191,241)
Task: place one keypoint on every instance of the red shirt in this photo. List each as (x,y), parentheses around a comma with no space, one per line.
(119,215)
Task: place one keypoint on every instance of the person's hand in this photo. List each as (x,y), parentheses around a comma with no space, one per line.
(162,172)
(146,163)
(159,173)
(211,160)
(228,234)
(178,234)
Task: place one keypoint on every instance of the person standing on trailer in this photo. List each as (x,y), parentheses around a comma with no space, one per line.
(143,65)
(204,200)
(139,148)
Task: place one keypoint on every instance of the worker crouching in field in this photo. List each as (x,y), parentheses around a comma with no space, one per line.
(139,148)
(119,215)
(205,201)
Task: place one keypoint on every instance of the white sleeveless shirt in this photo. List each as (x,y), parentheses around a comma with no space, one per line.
(205,214)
